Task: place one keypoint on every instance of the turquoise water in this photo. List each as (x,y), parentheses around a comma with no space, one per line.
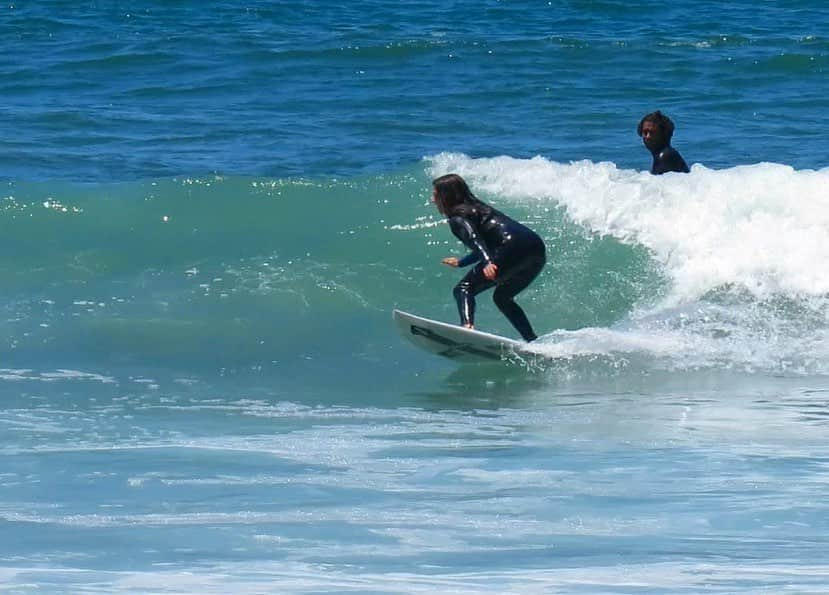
(209,211)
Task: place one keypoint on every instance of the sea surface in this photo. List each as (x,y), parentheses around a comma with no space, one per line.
(210,209)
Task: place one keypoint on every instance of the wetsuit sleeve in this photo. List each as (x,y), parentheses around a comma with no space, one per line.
(470,258)
(470,237)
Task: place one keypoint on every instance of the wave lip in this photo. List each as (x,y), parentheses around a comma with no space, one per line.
(764,227)
(742,251)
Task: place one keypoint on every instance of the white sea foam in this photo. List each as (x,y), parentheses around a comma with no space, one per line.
(53,376)
(764,226)
(758,233)
(292,576)
(701,344)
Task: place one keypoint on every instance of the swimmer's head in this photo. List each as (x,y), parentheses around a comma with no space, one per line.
(449,191)
(656,130)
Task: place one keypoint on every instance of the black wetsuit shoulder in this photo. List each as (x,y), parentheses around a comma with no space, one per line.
(468,232)
(668,159)
(487,233)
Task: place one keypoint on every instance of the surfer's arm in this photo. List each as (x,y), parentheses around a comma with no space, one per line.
(454,261)
(467,234)
(470,258)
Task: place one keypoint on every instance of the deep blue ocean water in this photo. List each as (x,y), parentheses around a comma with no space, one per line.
(209,211)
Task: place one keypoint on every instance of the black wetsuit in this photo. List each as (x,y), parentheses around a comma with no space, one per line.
(516,250)
(668,159)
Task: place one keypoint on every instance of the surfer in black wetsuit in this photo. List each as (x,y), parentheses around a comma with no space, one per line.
(507,255)
(656,130)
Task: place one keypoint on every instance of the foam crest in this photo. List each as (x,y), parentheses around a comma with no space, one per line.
(703,343)
(763,227)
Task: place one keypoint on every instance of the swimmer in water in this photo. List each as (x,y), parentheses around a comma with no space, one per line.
(507,255)
(656,130)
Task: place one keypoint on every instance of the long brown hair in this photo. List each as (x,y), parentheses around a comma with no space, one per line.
(452,193)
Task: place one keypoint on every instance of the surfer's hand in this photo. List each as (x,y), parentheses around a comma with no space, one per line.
(452,261)
(491,271)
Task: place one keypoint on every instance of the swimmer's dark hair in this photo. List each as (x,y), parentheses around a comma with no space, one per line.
(664,122)
(453,197)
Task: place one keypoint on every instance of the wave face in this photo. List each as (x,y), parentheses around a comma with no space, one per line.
(722,268)
(718,268)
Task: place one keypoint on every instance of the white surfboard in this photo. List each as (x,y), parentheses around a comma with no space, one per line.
(456,342)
